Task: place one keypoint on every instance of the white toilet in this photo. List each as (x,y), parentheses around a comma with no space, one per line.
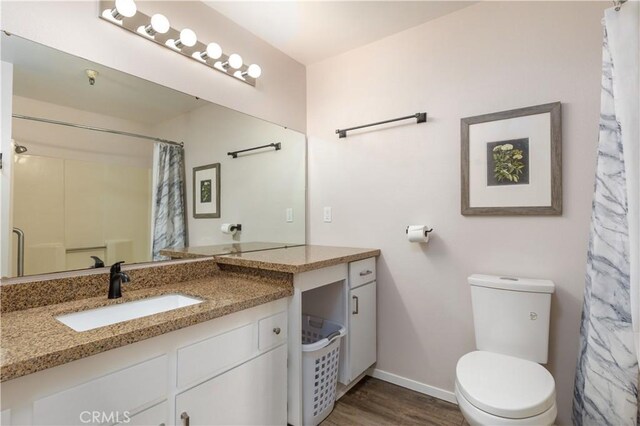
(503,383)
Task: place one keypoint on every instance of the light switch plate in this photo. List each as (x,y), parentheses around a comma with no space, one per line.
(289,215)
(327,214)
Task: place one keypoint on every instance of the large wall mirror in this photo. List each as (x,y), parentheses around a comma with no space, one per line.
(79,188)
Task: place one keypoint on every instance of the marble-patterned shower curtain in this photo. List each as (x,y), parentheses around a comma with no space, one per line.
(606,386)
(169,226)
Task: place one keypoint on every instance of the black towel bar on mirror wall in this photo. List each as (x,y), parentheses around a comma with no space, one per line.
(420,117)
(277,146)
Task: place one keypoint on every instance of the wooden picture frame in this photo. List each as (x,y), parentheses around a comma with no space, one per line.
(511,162)
(206,191)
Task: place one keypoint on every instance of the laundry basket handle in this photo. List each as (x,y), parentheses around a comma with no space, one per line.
(333,335)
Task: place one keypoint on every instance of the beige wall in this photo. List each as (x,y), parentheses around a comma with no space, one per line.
(256,188)
(74,27)
(489,57)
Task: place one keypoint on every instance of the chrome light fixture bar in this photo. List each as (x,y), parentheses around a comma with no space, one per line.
(156,28)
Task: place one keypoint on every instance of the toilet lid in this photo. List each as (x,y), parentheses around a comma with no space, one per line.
(505,386)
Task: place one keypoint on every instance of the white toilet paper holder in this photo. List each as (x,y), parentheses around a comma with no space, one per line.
(426,231)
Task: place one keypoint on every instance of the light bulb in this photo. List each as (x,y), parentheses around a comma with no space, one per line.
(159,25)
(235,61)
(254,71)
(124,9)
(187,38)
(214,51)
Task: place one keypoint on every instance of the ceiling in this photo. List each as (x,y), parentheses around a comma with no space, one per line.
(311,31)
(48,75)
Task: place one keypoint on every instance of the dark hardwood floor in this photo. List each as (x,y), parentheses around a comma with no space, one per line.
(373,402)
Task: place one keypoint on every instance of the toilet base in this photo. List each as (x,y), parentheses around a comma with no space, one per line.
(476,417)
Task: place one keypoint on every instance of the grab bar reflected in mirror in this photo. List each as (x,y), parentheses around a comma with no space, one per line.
(20,234)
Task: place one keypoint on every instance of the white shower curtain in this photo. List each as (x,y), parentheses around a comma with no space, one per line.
(624,40)
(168,207)
(606,387)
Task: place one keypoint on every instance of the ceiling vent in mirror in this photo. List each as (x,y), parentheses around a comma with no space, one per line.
(125,14)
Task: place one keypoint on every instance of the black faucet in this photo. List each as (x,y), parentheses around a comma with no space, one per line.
(116,278)
(97,262)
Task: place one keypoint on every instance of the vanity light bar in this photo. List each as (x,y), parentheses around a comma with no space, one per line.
(156,28)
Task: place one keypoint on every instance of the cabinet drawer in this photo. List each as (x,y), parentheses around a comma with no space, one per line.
(216,354)
(272,331)
(362,272)
(111,395)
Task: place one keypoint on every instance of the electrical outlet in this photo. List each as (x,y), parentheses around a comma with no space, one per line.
(327,214)
(289,215)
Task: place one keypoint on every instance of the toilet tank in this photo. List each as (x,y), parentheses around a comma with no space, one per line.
(511,315)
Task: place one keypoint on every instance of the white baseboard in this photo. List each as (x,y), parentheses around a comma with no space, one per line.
(413,385)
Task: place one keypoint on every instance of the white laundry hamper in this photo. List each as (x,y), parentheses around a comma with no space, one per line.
(320,361)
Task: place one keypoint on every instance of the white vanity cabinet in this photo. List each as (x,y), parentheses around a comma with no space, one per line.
(361,336)
(230,370)
(346,294)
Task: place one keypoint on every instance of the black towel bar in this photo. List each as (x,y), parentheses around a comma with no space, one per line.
(420,117)
(277,146)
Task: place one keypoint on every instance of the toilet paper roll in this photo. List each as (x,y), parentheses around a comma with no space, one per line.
(418,233)
(229,228)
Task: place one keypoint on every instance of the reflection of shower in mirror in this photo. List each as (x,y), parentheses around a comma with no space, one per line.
(19,149)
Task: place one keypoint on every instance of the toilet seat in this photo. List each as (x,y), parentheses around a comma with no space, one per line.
(504,386)
(476,417)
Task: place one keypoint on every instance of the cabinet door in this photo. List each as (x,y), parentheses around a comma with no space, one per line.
(105,398)
(362,329)
(155,416)
(254,393)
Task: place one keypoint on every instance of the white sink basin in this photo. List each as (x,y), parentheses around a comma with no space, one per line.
(100,317)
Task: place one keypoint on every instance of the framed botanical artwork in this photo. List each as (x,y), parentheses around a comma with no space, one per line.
(511,162)
(206,191)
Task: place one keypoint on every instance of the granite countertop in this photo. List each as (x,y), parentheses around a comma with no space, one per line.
(297,259)
(32,339)
(221,249)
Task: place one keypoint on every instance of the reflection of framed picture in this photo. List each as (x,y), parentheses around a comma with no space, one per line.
(206,191)
(512,162)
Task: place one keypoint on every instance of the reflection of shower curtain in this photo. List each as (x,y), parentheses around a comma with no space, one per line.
(606,387)
(169,228)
